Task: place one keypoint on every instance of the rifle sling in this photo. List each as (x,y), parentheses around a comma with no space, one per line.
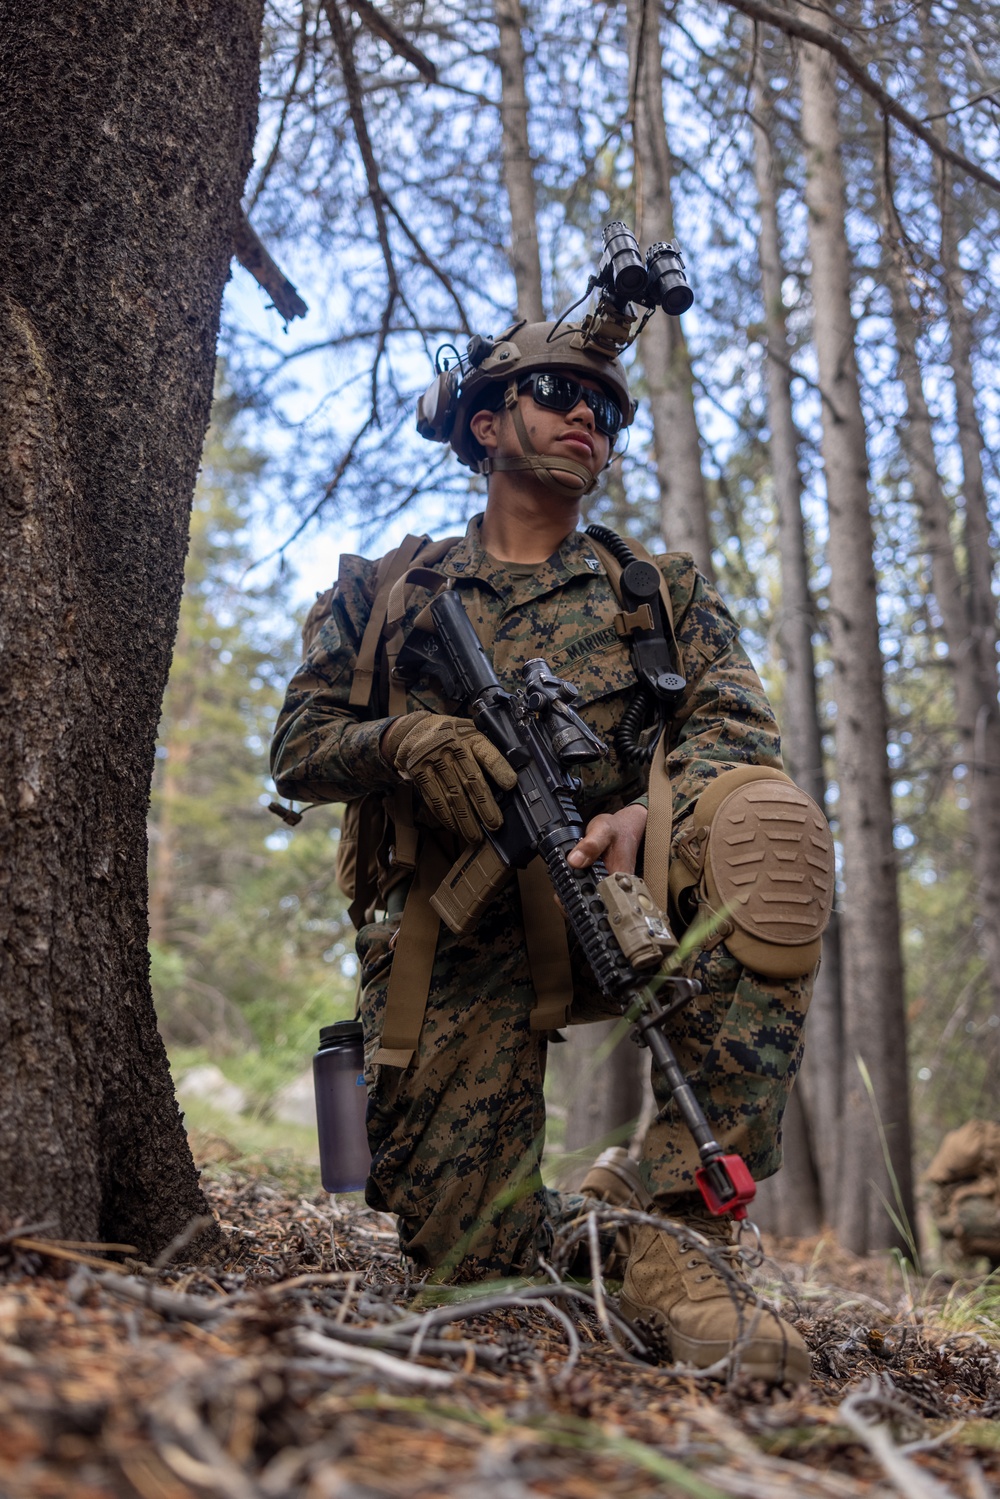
(413,962)
(548,948)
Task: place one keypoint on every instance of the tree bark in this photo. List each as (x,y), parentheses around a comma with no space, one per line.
(974,648)
(518,173)
(874,1022)
(664,352)
(125,143)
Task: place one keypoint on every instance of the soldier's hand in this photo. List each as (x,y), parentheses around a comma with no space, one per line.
(446,758)
(614,835)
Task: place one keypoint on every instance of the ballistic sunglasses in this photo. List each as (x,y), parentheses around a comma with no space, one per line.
(562,393)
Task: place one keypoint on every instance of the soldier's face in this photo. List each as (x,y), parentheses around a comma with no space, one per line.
(570,434)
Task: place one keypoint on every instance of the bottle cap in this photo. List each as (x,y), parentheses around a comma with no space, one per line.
(341,1033)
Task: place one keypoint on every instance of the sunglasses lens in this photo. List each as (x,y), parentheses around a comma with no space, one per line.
(606,413)
(555,392)
(560,393)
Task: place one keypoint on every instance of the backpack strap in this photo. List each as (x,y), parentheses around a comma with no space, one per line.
(391,567)
(659,822)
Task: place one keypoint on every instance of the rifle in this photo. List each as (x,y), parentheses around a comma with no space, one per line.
(623,935)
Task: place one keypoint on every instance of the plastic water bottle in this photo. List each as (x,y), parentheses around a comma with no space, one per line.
(341,1100)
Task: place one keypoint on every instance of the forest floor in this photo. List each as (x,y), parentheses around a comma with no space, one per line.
(305,1364)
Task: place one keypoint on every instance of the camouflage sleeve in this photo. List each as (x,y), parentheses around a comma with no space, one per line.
(323,750)
(724,719)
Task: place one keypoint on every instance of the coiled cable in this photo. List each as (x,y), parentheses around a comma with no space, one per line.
(644,710)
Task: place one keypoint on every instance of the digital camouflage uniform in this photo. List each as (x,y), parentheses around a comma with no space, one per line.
(457,1136)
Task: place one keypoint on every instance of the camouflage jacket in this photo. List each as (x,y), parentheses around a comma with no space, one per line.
(325,750)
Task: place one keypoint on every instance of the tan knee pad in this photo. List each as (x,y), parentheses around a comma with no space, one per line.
(758,857)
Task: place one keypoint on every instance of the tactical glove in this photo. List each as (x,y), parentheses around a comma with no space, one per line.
(445,758)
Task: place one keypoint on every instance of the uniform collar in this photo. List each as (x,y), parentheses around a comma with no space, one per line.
(574,557)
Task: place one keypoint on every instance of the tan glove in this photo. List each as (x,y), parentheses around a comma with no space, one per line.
(445,758)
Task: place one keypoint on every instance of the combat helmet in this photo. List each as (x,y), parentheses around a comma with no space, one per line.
(488,374)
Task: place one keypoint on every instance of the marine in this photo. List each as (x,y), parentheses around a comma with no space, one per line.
(457,1026)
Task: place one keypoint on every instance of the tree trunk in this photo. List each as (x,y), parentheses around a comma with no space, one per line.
(975,649)
(664,352)
(798,1198)
(874,1022)
(125,143)
(518,175)
(976,719)
(600,1087)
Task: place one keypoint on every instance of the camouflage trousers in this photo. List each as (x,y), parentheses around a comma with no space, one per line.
(457,1136)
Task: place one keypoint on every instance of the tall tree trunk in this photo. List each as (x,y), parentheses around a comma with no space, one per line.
(518,174)
(976,658)
(664,352)
(125,143)
(804,1192)
(976,719)
(874,1022)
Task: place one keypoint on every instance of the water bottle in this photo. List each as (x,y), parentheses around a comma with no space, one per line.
(341,1100)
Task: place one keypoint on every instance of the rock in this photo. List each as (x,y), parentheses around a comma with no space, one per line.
(210,1149)
(295,1103)
(210,1085)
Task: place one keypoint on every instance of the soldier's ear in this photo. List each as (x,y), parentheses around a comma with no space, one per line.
(485,428)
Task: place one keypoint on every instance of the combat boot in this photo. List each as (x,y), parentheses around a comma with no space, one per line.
(614,1178)
(683,1304)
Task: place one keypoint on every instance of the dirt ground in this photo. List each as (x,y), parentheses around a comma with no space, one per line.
(306,1364)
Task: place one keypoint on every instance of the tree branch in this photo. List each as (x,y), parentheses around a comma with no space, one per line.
(251,254)
(759,10)
(382,27)
(355,105)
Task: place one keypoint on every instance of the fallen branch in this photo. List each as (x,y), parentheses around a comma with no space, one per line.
(253,257)
(59,1252)
(382,1363)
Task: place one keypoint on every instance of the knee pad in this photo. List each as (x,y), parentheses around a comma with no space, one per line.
(757,859)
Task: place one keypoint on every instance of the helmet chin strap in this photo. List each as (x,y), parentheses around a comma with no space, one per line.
(545,469)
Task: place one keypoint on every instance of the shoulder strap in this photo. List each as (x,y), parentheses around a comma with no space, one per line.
(391,567)
(613,568)
(659,823)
